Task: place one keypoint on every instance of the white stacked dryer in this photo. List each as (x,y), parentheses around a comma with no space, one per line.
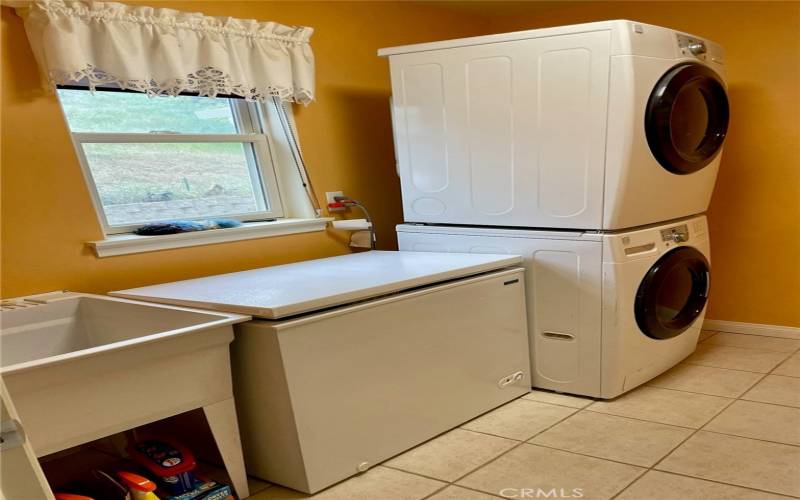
(605,125)
(567,145)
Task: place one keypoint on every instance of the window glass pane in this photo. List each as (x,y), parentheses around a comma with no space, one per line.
(123,112)
(145,182)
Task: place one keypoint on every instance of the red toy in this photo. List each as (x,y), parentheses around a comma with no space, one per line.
(170,461)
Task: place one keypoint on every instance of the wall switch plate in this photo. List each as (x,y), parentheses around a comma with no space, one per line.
(330,195)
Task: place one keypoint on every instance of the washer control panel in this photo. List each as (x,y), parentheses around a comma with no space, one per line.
(676,234)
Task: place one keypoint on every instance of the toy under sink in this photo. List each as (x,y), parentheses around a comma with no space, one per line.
(79,367)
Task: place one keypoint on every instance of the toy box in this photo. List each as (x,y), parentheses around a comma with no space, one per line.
(205,490)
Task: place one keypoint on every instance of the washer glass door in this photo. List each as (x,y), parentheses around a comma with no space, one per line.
(687,118)
(673,293)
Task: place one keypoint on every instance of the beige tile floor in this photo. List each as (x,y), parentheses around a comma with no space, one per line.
(724,424)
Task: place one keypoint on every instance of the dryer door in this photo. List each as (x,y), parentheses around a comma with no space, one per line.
(687,118)
(673,293)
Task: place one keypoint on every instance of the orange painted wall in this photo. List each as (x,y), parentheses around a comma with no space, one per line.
(755,211)
(754,215)
(46,210)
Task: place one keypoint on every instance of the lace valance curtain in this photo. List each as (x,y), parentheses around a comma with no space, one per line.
(166,52)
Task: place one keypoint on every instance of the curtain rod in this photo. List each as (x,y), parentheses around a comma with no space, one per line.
(128,91)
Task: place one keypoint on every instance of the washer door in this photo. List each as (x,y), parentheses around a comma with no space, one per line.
(673,293)
(687,118)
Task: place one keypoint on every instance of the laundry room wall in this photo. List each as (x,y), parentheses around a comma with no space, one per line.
(46,214)
(755,211)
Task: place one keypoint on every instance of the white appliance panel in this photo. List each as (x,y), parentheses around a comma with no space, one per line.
(504,134)
(564,304)
(423,90)
(331,394)
(490,128)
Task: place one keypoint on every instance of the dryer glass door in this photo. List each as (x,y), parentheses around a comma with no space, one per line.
(687,118)
(673,293)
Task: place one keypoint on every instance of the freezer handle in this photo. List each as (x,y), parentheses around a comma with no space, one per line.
(558,335)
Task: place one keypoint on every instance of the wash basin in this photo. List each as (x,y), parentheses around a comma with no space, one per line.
(63,327)
(80,367)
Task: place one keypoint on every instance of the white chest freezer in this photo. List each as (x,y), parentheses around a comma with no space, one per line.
(357,358)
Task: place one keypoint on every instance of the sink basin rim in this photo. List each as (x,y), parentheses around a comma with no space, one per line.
(225,319)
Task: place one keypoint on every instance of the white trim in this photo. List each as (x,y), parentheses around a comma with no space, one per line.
(260,159)
(751,328)
(122,244)
(291,184)
(161,137)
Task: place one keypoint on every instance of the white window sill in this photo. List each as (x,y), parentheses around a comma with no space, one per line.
(122,244)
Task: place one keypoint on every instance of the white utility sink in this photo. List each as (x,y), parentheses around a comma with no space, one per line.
(79,367)
(58,328)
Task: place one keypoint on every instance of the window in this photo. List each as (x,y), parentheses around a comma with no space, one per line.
(165,158)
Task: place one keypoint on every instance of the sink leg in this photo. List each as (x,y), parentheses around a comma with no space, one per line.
(221,419)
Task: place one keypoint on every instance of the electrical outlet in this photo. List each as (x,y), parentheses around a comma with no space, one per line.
(330,195)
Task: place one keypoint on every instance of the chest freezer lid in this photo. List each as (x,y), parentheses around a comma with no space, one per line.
(291,289)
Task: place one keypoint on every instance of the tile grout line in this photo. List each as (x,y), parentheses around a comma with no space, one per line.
(587,454)
(723,368)
(717,482)
(520,443)
(556,404)
(741,398)
(748,437)
(645,420)
(684,362)
(700,393)
(701,428)
(645,470)
(651,421)
(733,400)
(791,351)
(488,434)
(715,332)
(670,452)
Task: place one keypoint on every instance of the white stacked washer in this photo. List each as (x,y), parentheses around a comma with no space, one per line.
(605,139)
(606,311)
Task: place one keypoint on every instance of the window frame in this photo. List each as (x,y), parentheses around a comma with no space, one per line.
(249,120)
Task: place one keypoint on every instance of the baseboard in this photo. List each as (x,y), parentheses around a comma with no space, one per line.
(718,325)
